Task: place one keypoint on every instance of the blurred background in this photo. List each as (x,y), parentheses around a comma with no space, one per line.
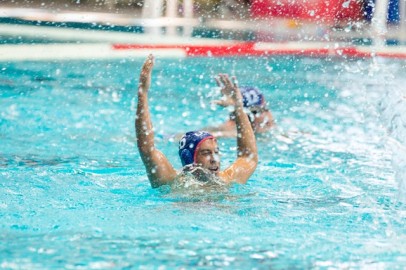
(260,20)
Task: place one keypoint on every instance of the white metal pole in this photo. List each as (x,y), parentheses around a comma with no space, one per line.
(402,28)
(188,14)
(379,22)
(152,9)
(171,13)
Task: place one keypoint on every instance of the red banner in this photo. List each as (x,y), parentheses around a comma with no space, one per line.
(312,10)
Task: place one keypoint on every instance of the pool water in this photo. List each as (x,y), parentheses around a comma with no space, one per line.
(326,193)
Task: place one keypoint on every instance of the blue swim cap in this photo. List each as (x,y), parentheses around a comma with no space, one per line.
(189,143)
(252,97)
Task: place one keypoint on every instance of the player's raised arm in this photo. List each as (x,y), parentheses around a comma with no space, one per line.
(247,154)
(159,170)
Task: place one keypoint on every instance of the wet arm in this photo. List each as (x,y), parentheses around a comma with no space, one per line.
(247,155)
(159,169)
(226,129)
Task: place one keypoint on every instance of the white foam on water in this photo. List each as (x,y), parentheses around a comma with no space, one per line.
(392,109)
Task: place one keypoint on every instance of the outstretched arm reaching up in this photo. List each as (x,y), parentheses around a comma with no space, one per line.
(159,170)
(247,155)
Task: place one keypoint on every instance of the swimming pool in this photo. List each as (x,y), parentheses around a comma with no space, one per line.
(325,194)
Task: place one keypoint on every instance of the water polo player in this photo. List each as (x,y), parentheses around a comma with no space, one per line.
(255,106)
(197,149)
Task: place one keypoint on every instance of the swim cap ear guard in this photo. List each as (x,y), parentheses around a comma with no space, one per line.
(186,156)
(189,143)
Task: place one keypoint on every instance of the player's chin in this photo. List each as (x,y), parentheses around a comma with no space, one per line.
(214,170)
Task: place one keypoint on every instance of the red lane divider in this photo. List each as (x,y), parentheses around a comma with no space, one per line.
(248,49)
(240,49)
(352,52)
(243,49)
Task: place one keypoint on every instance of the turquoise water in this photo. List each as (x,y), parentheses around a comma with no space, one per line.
(74,193)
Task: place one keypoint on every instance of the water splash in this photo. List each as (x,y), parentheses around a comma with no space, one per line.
(392,108)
